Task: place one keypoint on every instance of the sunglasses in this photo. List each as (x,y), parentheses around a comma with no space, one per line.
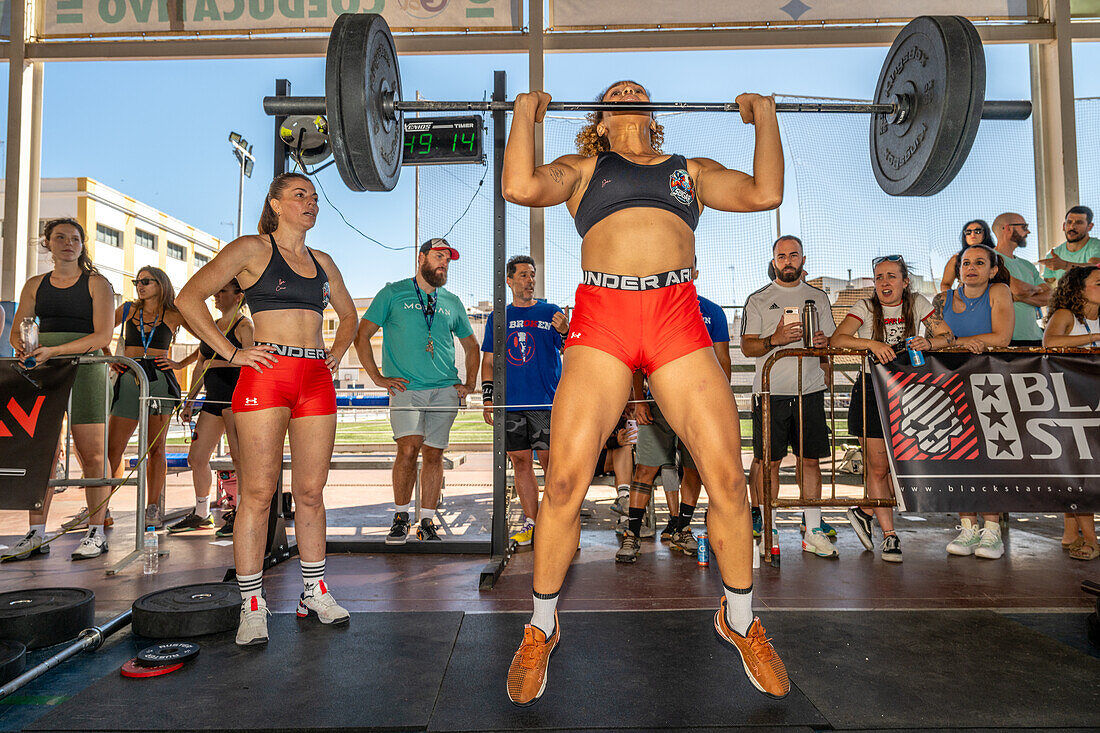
(143,281)
(886,258)
(968,232)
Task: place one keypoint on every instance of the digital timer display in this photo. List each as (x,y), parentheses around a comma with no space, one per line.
(437,140)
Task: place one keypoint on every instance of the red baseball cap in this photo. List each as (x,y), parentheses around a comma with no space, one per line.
(438,243)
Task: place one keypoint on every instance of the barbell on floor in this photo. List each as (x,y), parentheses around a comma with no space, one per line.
(927,104)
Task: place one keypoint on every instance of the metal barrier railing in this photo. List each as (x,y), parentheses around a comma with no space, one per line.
(139,474)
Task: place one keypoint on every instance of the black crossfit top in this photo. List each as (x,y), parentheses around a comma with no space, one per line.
(618,183)
(208,352)
(159,338)
(64,310)
(281,288)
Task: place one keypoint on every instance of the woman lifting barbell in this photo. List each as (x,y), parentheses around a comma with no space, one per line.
(636,209)
(285,386)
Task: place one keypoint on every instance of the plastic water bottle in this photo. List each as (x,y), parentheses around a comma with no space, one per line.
(28,332)
(151,554)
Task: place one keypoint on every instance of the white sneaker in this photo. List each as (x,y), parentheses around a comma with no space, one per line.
(153,517)
(28,547)
(253,626)
(990,546)
(818,543)
(967,541)
(94,544)
(321,602)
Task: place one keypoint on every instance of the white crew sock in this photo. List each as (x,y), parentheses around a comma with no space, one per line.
(202,507)
(813,518)
(738,609)
(543,617)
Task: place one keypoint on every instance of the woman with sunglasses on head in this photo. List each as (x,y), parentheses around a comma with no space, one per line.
(881,325)
(285,387)
(981,315)
(149,325)
(219,377)
(1074,321)
(73,304)
(975,231)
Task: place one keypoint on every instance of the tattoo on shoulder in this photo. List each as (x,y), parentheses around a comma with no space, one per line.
(937,306)
(556,173)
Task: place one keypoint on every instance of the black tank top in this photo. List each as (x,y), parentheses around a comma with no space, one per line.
(208,352)
(64,310)
(281,288)
(618,184)
(159,338)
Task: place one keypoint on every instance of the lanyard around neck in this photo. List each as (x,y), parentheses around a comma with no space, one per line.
(147,339)
(429,317)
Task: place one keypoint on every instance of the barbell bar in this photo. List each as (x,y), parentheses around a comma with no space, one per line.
(925,110)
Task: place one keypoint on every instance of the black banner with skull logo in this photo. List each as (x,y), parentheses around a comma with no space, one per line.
(993,432)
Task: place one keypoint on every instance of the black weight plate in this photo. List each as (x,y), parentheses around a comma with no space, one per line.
(133,669)
(13,660)
(971,42)
(40,617)
(187,610)
(360,70)
(929,61)
(167,652)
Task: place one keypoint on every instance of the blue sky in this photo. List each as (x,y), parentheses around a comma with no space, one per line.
(158,130)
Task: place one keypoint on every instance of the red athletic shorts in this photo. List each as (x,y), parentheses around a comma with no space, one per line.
(644,329)
(304,384)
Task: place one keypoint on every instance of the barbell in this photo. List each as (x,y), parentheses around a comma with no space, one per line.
(925,110)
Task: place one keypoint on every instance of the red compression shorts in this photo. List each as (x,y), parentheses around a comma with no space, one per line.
(644,329)
(302,384)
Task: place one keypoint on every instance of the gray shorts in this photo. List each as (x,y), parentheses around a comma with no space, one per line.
(434,424)
(657,444)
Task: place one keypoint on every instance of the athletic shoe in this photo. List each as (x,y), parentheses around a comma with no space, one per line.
(620,526)
(525,534)
(891,548)
(252,628)
(321,602)
(967,541)
(527,672)
(94,544)
(757,523)
(861,524)
(629,549)
(826,528)
(646,531)
(426,531)
(28,547)
(765,669)
(153,517)
(192,523)
(621,505)
(226,530)
(399,532)
(818,543)
(670,529)
(684,541)
(81,520)
(990,546)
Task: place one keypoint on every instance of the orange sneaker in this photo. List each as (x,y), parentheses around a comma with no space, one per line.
(763,666)
(527,672)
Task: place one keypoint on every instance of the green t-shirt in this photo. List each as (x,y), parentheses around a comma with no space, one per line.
(405,334)
(1027,315)
(1086,253)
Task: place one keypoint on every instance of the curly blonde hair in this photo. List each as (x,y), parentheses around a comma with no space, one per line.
(1069,293)
(591,143)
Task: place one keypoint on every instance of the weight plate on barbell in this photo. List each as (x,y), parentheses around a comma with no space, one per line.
(932,62)
(187,610)
(361,72)
(41,617)
(13,660)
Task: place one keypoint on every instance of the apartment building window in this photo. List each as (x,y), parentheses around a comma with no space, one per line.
(145,239)
(106,235)
(177,251)
(200,260)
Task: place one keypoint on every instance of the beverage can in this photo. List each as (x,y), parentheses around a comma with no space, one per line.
(916,358)
(702,555)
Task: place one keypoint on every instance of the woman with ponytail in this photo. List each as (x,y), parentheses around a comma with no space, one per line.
(285,386)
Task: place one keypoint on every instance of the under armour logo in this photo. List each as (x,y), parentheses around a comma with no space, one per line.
(251,401)
(574,334)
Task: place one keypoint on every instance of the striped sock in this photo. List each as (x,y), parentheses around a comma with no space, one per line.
(738,608)
(250,585)
(312,574)
(543,617)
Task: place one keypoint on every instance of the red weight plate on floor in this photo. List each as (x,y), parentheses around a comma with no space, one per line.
(133,669)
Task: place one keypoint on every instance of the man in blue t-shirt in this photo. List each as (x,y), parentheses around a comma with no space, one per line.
(657,447)
(535,333)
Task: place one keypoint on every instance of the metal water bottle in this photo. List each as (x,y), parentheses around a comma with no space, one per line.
(810,323)
(916,358)
(28,332)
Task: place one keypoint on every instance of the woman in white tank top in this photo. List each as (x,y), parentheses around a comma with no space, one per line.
(1075,321)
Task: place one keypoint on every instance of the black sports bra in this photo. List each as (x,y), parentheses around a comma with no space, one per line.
(281,288)
(618,184)
(159,338)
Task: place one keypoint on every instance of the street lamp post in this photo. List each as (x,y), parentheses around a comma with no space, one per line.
(242,151)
